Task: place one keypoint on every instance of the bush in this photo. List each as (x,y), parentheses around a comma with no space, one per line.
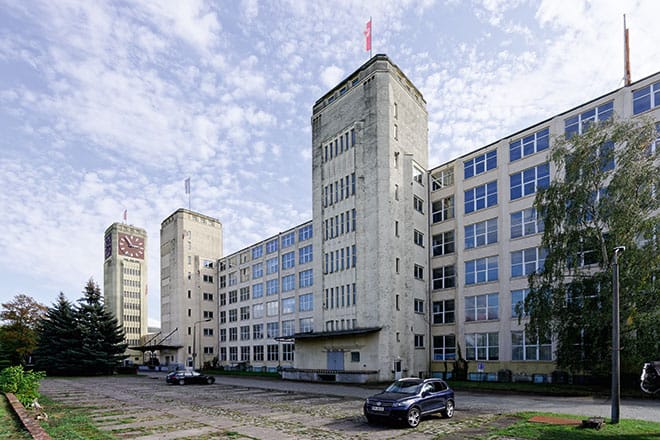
(24,384)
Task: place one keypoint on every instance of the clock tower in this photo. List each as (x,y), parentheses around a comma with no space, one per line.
(125,281)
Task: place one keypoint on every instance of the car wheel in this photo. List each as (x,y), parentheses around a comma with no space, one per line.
(448,412)
(370,419)
(210,380)
(413,417)
(182,382)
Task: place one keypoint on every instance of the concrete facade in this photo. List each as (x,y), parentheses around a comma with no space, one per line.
(190,246)
(125,281)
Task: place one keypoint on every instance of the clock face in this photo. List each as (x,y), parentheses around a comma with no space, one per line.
(131,246)
(108,245)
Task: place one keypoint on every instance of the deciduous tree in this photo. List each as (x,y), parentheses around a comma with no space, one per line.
(18,333)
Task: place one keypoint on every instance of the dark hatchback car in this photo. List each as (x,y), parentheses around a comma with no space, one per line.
(407,400)
(184,377)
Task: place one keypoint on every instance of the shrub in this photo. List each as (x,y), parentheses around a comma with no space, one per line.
(24,384)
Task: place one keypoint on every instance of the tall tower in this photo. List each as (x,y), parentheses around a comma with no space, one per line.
(125,280)
(190,246)
(370,150)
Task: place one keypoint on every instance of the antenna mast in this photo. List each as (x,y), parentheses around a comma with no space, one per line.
(626,54)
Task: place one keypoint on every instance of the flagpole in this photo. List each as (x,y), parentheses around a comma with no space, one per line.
(371,33)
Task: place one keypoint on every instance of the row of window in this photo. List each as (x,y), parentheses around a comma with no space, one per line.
(477,308)
(341,259)
(272,353)
(646,98)
(485,346)
(339,190)
(339,145)
(272,330)
(340,296)
(340,224)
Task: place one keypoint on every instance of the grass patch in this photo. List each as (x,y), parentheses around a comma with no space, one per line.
(70,422)
(545,389)
(625,429)
(10,426)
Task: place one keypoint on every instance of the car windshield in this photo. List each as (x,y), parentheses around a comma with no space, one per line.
(403,386)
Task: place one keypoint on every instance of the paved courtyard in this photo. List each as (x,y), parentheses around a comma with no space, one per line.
(144,407)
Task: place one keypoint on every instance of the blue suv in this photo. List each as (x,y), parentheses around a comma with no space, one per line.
(407,400)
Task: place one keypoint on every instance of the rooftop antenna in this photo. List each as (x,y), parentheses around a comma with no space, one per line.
(626,54)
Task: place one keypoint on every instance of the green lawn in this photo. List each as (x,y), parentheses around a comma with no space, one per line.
(10,426)
(67,422)
(625,429)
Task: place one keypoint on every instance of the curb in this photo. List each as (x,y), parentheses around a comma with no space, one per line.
(35,429)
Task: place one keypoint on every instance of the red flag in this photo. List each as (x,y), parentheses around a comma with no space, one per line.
(367,34)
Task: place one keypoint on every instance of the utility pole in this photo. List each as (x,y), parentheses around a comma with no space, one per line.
(616,389)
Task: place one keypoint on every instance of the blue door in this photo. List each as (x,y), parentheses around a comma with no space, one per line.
(335,360)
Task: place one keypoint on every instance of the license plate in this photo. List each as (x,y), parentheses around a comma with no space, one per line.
(377,408)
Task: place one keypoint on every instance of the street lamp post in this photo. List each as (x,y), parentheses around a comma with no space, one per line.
(194,355)
(616,389)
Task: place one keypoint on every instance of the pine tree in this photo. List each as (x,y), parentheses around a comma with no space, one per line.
(58,340)
(103,344)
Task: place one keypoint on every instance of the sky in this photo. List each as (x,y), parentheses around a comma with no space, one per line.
(107,106)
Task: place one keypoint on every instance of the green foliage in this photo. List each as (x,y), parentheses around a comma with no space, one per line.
(587,211)
(24,384)
(80,340)
(18,333)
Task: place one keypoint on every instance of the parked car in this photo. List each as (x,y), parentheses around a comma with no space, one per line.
(184,377)
(650,379)
(407,400)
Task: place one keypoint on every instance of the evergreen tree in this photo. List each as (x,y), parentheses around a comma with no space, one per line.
(605,195)
(103,344)
(59,347)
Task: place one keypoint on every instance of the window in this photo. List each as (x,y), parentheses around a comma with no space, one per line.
(646,98)
(288,283)
(444,348)
(306,302)
(482,346)
(223,281)
(305,254)
(287,352)
(306,278)
(258,311)
(443,209)
(288,327)
(444,277)
(418,204)
(443,312)
(223,317)
(273,352)
(257,270)
(208,264)
(481,234)
(482,307)
(442,179)
(208,296)
(245,293)
(528,145)
(223,335)
(271,246)
(233,334)
(207,314)
(418,175)
(273,330)
(443,243)
(288,305)
(271,308)
(524,348)
(233,297)
(306,325)
(480,164)
(355,356)
(529,181)
(271,265)
(206,278)
(233,315)
(245,332)
(527,261)
(480,197)
(257,331)
(288,239)
(257,252)
(305,233)
(258,353)
(419,341)
(482,270)
(578,124)
(518,302)
(208,332)
(418,272)
(231,279)
(257,290)
(418,238)
(233,354)
(526,222)
(272,287)
(288,260)
(223,299)
(419,305)
(245,353)
(245,313)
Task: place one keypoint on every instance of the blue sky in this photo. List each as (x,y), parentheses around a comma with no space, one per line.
(108,106)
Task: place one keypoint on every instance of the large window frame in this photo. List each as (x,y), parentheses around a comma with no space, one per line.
(529,181)
(480,197)
(481,234)
(482,307)
(480,164)
(444,277)
(524,348)
(482,346)
(444,312)
(526,222)
(444,347)
(528,145)
(481,270)
(443,243)
(525,262)
(443,209)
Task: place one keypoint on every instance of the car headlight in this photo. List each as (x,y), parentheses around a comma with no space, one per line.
(400,404)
